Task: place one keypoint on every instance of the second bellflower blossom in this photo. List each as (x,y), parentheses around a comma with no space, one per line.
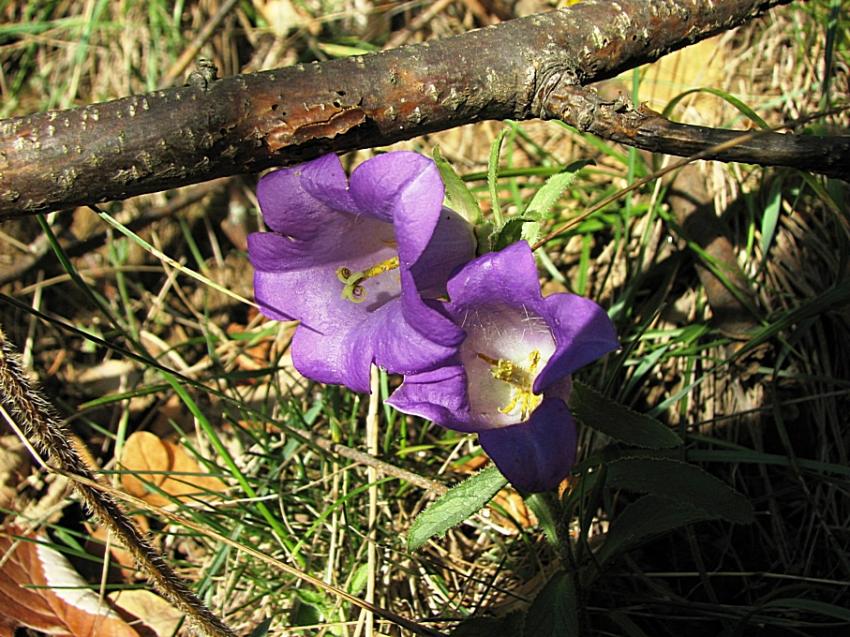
(510,377)
(355,260)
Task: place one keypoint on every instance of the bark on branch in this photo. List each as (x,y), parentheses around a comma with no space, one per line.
(645,129)
(245,123)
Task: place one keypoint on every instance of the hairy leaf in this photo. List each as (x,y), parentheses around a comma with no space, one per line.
(455,506)
(647,517)
(682,482)
(619,422)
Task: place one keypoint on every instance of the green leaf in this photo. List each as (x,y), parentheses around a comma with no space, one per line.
(728,97)
(771,216)
(485,236)
(454,507)
(554,612)
(810,606)
(262,628)
(488,626)
(619,422)
(647,517)
(538,504)
(547,196)
(531,233)
(682,482)
(458,196)
(509,233)
(359,579)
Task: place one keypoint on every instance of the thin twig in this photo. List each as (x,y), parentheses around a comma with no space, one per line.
(672,166)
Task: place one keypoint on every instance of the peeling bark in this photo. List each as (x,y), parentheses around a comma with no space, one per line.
(245,123)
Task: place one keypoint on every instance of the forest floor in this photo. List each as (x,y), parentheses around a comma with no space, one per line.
(756,381)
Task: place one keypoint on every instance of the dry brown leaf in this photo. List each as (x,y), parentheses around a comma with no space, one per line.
(170,413)
(151,459)
(150,609)
(39,589)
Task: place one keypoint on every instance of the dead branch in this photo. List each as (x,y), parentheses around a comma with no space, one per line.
(645,129)
(245,123)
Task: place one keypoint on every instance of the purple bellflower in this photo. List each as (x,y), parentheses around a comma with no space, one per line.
(356,261)
(510,377)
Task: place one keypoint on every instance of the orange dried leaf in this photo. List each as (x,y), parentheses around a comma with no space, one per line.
(39,589)
(150,609)
(150,460)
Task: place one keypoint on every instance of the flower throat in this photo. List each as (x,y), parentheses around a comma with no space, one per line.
(353,289)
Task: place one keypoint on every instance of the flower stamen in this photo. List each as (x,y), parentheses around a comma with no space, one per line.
(353,290)
(520,378)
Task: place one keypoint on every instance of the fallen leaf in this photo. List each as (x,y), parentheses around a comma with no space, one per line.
(168,467)
(517,512)
(39,589)
(150,609)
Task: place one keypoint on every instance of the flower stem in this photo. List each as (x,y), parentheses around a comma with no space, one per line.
(547,507)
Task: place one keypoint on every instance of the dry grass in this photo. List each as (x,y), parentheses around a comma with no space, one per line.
(772,422)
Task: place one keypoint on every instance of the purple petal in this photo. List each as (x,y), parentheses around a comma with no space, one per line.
(343,355)
(426,319)
(323,358)
(403,188)
(301,295)
(395,344)
(504,278)
(290,209)
(583,332)
(452,245)
(536,455)
(439,395)
(325,179)
(296,279)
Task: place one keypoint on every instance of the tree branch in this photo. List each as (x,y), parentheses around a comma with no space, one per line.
(245,123)
(646,129)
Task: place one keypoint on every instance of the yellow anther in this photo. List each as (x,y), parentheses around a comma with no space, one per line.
(383,266)
(352,289)
(520,378)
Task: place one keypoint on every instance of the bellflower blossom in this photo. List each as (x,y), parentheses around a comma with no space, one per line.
(354,260)
(510,378)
